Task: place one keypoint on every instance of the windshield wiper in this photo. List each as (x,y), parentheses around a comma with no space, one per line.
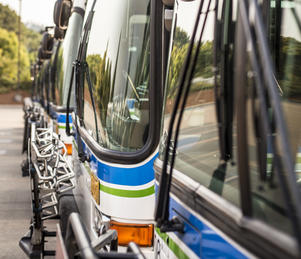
(76,72)
(260,60)
(162,208)
(90,86)
(224,101)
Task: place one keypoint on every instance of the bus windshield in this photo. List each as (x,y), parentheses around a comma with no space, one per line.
(118,65)
(198,152)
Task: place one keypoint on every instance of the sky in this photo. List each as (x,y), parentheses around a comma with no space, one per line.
(33,11)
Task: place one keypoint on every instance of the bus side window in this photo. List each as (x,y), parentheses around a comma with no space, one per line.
(198,150)
(198,147)
(285,44)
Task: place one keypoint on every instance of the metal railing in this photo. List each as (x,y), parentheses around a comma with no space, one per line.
(78,243)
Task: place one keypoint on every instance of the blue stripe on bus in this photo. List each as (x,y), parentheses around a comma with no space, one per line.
(133,176)
(199,237)
(126,176)
(61,118)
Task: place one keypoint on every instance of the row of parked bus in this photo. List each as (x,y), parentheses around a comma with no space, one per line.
(173,126)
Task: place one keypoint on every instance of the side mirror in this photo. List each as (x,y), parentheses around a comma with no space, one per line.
(39,62)
(61,13)
(42,55)
(47,43)
(58,33)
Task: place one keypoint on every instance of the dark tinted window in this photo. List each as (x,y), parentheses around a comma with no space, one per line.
(53,72)
(285,42)
(59,76)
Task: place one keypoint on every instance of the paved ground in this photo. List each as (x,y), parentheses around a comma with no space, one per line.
(15,207)
(14,189)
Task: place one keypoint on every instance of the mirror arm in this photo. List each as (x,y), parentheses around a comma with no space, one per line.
(82,156)
(90,86)
(68,131)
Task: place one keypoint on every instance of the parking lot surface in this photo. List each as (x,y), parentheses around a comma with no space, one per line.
(14,189)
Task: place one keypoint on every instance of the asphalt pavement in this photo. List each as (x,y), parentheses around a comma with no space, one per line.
(15,208)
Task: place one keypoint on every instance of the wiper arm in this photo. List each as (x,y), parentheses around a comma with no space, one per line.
(162,207)
(90,86)
(76,73)
(283,159)
(224,104)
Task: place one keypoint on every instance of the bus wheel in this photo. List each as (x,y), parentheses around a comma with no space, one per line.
(67,205)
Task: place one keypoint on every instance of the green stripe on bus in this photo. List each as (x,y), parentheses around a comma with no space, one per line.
(173,246)
(298,159)
(121,192)
(128,193)
(63,127)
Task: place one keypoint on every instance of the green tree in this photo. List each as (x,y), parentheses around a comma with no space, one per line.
(175,67)
(179,51)
(181,37)
(29,38)
(204,65)
(289,67)
(9,59)
(8,19)
(100,73)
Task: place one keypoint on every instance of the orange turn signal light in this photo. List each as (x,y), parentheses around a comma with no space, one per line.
(69,148)
(141,234)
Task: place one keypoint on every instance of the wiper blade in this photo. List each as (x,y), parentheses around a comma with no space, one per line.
(76,73)
(162,208)
(261,135)
(226,94)
(224,102)
(283,160)
(90,86)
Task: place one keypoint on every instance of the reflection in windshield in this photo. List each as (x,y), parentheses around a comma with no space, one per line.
(118,61)
(285,46)
(198,154)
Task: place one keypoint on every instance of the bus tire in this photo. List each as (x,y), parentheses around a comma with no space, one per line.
(67,205)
